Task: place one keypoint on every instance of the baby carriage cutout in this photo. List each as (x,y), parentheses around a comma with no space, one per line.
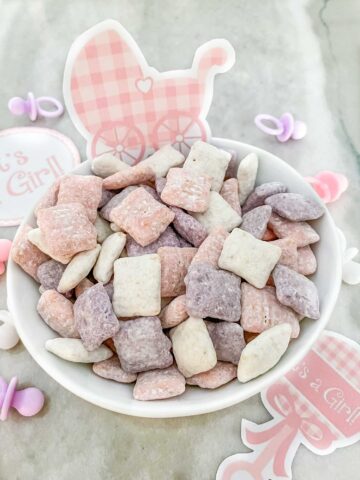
(123,106)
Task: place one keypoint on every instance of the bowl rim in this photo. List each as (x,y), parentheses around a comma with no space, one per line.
(161,408)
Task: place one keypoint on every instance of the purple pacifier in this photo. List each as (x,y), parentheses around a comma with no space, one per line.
(27,402)
(284,128)
(32,107)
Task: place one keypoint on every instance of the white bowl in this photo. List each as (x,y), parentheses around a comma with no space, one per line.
(23,295)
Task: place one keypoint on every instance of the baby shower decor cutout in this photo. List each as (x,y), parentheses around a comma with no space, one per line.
(123,106)
(316,404)
(31,159)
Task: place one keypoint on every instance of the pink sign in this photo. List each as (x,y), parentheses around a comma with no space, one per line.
(123,106)
(316,404)
(31,159)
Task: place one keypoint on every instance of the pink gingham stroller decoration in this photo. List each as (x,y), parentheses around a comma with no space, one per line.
(125,107)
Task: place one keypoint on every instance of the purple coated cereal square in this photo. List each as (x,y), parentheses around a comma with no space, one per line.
(255,221)
(260,194)
(188,227)
(166,239)
(228,340)
(49,274)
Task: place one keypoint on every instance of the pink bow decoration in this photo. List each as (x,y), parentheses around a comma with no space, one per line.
(5,247)
(328,185)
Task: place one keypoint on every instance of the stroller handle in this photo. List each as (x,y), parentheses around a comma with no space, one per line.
(213,57)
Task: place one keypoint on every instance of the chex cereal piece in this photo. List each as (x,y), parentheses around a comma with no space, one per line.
(219,375)
(228,340)
(295,207)
(66,229)
(192,347)
(269,235)
(84,189)
(111,369)
(160,183)
(296,291)
(187,190)
(306,261)
(58,312)
(94,317)
(289,252)
(142,217)
(248,257)
(261,193)
(230,193)
(301,232)
(106,196)
(82,286)
(137,286)
(174,313)
(129,176)
(255,221)
(218,214)
(36,238)
(263,352)
(159,384)
(115,201)
(184,243)
(49,274)
(163,159)
(209,251)
(152,191)
(174,266)
(73,350)
(142,345)
(261,310)
(188,227)
(107,164)
(50,197)
(167,239)
(212,293)
(110,251)
(206,159)
(246,176)
(109,287)
(103,229)
(25,254)
(79,268)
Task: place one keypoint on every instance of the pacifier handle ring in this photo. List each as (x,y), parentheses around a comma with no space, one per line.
(4,410)
(259,119)
(33,111)
(46,113)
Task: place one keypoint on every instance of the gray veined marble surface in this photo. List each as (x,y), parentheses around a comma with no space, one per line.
(291,55)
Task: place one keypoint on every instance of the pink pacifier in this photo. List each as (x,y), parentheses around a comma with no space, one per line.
(5,246)
(283,128)
(32,107)
(27,402)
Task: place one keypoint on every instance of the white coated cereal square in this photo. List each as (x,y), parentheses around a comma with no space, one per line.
(163,159)
(218,214)
(137,282)
(205,158)
(250,258)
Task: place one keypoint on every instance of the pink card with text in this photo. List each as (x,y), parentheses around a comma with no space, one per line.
(31,159)
(316,404)
(123,106)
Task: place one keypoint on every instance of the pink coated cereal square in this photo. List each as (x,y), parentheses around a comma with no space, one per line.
(289,252)
(58,312)
(50,197)
(66,229)
(159,384)
(142,217)
(25,254)
(230,193)
(221,374)
(187,190)
(306,261)
(210,249)
(84,189)
(111,369)
(129,176)
(174,313)
(301,232)
(174,266)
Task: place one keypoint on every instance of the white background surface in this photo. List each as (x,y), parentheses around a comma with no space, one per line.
(291,55)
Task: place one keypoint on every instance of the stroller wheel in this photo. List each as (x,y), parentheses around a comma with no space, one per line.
(124,142)
(180,130)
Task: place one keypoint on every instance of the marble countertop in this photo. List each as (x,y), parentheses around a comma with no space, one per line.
(301,56)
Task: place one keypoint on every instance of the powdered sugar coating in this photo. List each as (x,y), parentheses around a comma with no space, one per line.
(230,193)
(50,197)
(295,207)
(187,190)
(212,293)
(188,227)
(219,375)
(142,217)
(106,196)
(129,176)
(111,369)
(94,317)
(260,194)
(174,266)
(67,229)
(261,310)
(174,313)
(289,252)
(115,201)
(57,312)
(167,239)
(228,340)
(49,274)
(159,384)
(255,221)
(306,261)
(246,175)
(301,232)
(296,291)
(160,183)
(209,251)
(142,345)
